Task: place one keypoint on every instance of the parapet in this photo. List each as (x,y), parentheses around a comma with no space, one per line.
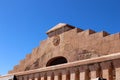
(58,29)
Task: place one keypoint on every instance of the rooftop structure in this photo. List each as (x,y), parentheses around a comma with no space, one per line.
(71,53)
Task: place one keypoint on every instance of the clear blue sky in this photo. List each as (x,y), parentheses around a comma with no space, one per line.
(23,23)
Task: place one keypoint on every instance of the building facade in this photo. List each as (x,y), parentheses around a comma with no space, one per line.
(70,53)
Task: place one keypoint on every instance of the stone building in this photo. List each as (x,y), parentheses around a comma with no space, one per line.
(70,53)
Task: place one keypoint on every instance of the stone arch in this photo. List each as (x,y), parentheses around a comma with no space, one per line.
(56,61)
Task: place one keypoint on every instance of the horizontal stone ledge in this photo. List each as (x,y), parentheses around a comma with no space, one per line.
(71,64)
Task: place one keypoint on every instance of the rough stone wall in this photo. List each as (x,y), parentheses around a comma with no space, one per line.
(107,67)
(73,44)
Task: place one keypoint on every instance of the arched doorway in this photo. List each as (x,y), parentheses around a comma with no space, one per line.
(56,61)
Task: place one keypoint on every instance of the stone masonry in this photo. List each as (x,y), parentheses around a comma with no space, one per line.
(71,43)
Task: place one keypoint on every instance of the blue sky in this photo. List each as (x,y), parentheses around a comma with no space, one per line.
(23,23)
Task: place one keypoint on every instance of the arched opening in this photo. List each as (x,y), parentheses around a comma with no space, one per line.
(56,61)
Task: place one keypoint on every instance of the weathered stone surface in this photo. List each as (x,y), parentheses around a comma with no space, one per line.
(73,44)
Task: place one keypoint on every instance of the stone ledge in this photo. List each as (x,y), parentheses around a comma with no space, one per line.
(58,26)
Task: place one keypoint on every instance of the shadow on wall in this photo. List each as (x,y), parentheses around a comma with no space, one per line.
(56,61)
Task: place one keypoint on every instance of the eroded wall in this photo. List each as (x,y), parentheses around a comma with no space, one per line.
(74,44)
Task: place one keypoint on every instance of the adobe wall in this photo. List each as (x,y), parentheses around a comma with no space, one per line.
(74,44)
